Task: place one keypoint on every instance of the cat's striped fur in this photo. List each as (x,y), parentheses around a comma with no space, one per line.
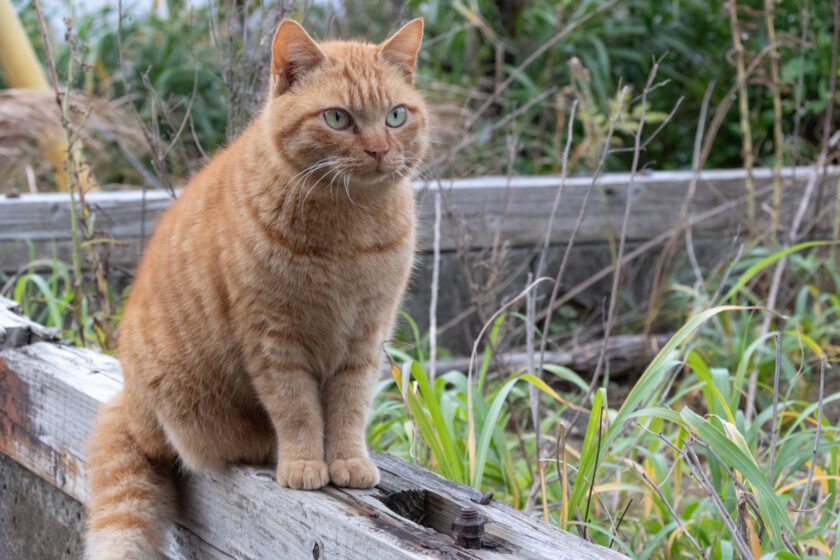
(254,329)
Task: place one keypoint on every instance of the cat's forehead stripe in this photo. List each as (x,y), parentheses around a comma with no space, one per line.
(364,86)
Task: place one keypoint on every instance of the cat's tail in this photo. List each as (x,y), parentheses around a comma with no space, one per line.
(132,498)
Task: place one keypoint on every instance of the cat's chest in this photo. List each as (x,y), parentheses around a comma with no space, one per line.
(355,264)
(345,278)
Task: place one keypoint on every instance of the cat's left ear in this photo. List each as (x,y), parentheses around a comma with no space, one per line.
(402,47)
(293,54)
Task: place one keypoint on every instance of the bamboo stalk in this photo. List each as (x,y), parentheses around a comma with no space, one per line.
(769,13)
(22,70)
(835,230)
(17,57)
(744,108)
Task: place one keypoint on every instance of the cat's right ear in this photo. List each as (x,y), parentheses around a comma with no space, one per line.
(293,54)
(401,48)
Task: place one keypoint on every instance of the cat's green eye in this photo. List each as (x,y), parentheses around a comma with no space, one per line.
(337,118)
(396,117)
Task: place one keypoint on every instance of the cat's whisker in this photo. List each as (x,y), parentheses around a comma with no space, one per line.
(338,172)
(316,165)
(418,166)
(312,170)
(314,185)
(334,172)
(309,172)
(347,189)
(420,171)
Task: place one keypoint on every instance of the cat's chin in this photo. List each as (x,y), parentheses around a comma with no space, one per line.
(364,188)
(377,177)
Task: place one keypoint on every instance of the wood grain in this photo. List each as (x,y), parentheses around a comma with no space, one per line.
(473,210)
(49,394)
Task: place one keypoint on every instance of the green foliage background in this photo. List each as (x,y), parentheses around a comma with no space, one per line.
(469,44)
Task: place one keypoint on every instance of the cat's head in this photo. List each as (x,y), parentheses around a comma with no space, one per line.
(347,112)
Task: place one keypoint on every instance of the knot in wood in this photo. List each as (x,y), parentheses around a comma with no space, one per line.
(468,528)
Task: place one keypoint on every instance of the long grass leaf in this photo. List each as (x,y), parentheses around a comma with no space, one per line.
(543,386)
(430,399)
(588,455)
(650,383)
(769,503)
(483,443)
(704,373)
(750,273)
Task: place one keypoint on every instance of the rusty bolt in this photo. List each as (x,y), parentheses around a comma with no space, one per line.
(468,528)
(485,499)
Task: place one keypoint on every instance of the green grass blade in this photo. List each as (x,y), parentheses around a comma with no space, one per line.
(488,351)
(487,432)
(750,273)
(650,383)
(588,455)
(741,371)
(567,374)
(771,507)
(418,341)
(430,398)
(699,367)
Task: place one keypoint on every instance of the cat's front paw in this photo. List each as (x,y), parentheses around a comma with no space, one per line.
(303,475)
(358,472)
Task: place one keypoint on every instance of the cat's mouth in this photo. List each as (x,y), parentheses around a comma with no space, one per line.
(376,172)
(379,172)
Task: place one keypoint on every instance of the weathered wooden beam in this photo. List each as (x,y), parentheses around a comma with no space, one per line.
(626,354)
(474,210)
(16,330)
(49,394)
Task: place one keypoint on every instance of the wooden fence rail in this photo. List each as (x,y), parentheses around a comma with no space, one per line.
(474,209)
(49,394)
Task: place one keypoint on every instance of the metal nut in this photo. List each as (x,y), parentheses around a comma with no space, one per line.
(468,528)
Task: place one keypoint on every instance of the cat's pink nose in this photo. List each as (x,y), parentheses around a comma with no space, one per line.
(378,153)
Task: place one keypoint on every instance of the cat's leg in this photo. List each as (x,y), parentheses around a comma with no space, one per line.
(289,392)
(346,399)
(218,438)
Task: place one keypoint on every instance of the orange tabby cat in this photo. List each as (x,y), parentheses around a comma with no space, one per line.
(255,326)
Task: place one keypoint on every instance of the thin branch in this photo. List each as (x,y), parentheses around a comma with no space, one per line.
(547,241)
(647,246)
(807,492)
(700,475)
(620,519)
(774,426)
(435,288)
(769,13)
(675,516)
(69,162)
(533,392)
(743,105)
(558,280)
(556,204)
(470,416)
(611,310)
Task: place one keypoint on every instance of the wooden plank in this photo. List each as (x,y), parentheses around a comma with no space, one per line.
(474,210)
(17,330)
(625,353)
(49,395)
(478,207)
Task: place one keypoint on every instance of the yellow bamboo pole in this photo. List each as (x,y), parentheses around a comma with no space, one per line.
(21,66)
(23,70)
